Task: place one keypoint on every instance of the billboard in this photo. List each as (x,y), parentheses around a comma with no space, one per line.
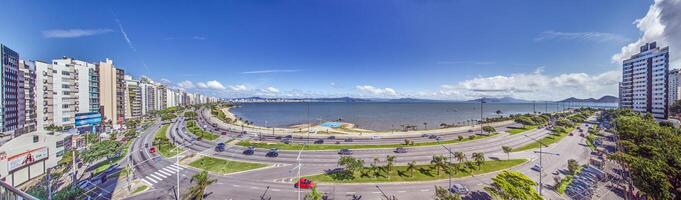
(26,158)
(88,119)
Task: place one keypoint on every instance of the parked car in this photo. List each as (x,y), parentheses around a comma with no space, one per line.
(272,153)
(348,140)
(220,147)
(345,152)
(319,141)
(536,168)
(249,151)
(304,183)
(400,150)
(459,189)
(331,137)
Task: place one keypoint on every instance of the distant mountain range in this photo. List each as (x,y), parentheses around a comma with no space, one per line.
(498,100)
(604,99)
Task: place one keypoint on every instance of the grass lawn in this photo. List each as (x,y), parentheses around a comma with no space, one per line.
(514,131)
(283,146)
(221,166)
(194,129)
(421,173)
(166,149)
(140,189)
(548,140)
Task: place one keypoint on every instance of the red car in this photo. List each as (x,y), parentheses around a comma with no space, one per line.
(152,150)
(304,183)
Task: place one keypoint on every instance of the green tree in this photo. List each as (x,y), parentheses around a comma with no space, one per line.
(488,129)
(479,158)
(411,167)
(389,164)
(507,150)
(513,185)
(201,181)
(675,108)
(439,162)
(99,150)
(460,137)
(573,166)
(374,167)
(313,194)
(441,193)
(350,164)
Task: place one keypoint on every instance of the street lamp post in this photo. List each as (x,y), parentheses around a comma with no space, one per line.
(481,121)
(450,162)
(541,167)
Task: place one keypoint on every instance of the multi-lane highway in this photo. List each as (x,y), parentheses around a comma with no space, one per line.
(161,174)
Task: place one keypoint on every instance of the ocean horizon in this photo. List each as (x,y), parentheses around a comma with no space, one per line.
(381,116)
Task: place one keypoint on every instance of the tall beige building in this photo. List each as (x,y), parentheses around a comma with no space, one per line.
(112,93)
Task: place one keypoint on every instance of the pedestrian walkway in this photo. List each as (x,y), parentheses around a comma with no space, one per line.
(161,174)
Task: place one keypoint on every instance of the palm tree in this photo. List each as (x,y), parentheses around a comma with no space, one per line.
(202,181)
(374,166)
(507,150)
(411,167)
(438,162)
(479,158)
(389,165)
(460,157)
(313,195)
(425,125)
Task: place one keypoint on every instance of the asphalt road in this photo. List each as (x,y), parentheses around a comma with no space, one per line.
(279,176)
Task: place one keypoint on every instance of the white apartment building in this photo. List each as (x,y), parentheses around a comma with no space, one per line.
(44,95)
(645,77)
(72,89)
(674,78)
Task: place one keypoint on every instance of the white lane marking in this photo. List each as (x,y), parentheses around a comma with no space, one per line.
(164,173)
(376,192)
(151,179)
(253,187)
(152,175)
(401,191)
(425,190)
(168,171)
(145,181)
(276,190)
(235,185)
(349,192)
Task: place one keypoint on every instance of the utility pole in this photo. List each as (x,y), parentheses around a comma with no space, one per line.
(481,102)
(546,107)
(385,195)
(49,184)
(73,168)
(262,197)
(541,167)
(450,162)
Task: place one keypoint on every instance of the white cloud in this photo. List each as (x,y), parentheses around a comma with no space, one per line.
(271,71)
(271,89)
(165,81)
(185,85)
(591,36)
(376,91)
(535,85)
(662,23)
(73,33)
(238,88)
(215,85)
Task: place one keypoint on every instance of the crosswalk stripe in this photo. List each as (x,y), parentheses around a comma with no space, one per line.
(160,174)
(177,168)
(145,181)
(164,173)
(156,177)
(151,179)
(168,170)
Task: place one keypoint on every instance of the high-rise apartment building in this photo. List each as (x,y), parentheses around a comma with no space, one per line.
(28,71)
(644,86)
(11,91)
(111,93)
(133,96)
(148,91)
(674,81)
(44,95)
(72,89)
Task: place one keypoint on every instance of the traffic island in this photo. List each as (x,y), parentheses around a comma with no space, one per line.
(554,137)
(163,144)
(414,173)
(222,166)
(319,147)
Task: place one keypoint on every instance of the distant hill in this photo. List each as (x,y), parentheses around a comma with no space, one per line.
(498,100)
(604,99)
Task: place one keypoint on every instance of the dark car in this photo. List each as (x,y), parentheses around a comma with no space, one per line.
(220,147)
(286,141)
(400,150)
(345,152)
(224,133)
(331,137)
(319,141)
(277,138)
(432,136)
(272,153)
(348,140)
(425,135)
(459,189)
(288,136)
(249,151)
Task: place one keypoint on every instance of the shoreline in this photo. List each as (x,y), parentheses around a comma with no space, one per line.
(348,130)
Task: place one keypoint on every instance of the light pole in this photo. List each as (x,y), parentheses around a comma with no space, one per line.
(541,167)
(450,163)
(481,121)
(300,165)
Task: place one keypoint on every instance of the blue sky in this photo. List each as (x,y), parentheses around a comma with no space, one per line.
(424,49)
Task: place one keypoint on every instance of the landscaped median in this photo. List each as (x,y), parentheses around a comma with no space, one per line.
(163,144)
(282,146)
(414,173)
(514,131)
(553,137)
(198,132)
(220,166)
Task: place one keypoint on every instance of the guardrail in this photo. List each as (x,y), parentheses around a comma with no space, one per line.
(10,193)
